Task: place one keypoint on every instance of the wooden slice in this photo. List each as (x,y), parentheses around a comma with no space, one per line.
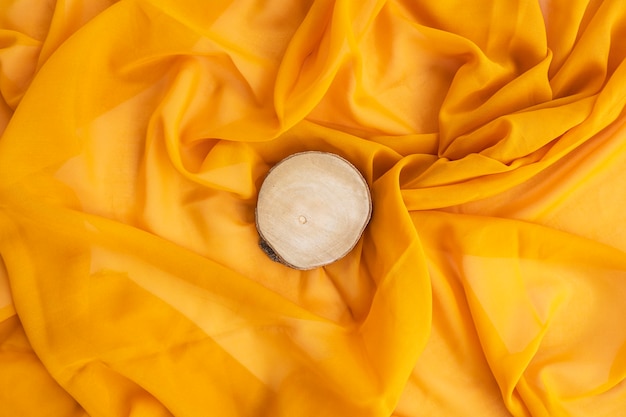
(312,209)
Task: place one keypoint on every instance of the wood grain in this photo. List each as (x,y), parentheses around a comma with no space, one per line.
(312,209)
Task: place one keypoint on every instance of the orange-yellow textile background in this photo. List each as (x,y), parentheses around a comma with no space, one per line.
(491,280)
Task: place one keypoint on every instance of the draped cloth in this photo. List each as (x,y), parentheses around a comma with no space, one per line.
(491,280)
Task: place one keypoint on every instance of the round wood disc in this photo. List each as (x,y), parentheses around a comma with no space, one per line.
(312,209)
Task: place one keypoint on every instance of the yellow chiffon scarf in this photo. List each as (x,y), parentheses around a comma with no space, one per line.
(491,280)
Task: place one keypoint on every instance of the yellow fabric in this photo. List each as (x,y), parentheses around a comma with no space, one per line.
(491,280)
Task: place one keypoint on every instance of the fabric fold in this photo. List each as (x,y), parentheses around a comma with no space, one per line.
(136,135)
